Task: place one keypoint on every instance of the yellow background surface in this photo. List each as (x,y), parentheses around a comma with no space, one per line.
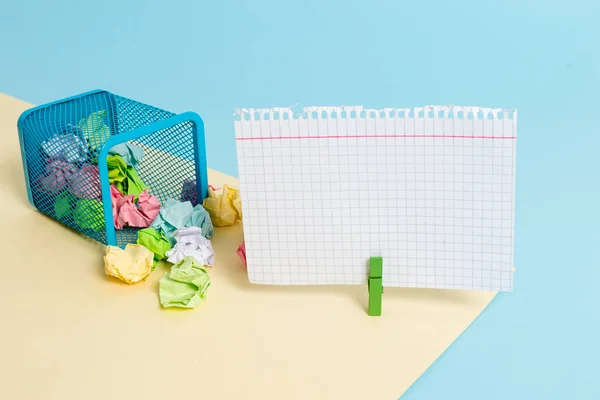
(70,332)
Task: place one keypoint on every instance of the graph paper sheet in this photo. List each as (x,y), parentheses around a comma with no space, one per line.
(430,189)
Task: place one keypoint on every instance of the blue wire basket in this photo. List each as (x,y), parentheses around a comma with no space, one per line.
(78,152)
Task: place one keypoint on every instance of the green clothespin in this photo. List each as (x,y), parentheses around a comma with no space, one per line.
(375,285)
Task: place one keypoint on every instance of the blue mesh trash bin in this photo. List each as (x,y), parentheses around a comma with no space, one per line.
(89,156)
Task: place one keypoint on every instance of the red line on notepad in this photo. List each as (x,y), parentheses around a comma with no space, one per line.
(379,136)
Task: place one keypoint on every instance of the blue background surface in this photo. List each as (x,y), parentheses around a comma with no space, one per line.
(541,57)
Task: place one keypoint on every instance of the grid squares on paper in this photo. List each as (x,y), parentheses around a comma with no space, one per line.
(317,204)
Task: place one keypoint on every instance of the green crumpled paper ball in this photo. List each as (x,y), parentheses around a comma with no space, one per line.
(94,130)
(124,177)
(154,241)
(185,286)
(64,205)
(89,214)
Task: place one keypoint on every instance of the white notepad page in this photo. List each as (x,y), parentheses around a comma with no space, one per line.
(429,189)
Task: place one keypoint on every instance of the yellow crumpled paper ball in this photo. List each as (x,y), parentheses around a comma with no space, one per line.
(225,208)
(131,265)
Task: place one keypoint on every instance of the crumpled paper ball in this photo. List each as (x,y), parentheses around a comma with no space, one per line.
(124,177)
(191,242)
(132,264)
(185,286)
(95,131)
(174,215)
(154,241)
(129,212)
(57,176)
(224,208)
(68,147)
(241,252)
(89,214)
(130,153)
(85,183)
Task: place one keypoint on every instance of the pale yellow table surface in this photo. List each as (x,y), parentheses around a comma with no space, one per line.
(70,332)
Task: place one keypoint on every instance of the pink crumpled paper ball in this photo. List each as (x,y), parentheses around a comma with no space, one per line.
(127,213)
(241,251)
(57,176)
(85,183)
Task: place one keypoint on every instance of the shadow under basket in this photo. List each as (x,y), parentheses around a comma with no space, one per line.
(76,150)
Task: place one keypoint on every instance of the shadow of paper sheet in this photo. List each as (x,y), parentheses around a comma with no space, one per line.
(70,326)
